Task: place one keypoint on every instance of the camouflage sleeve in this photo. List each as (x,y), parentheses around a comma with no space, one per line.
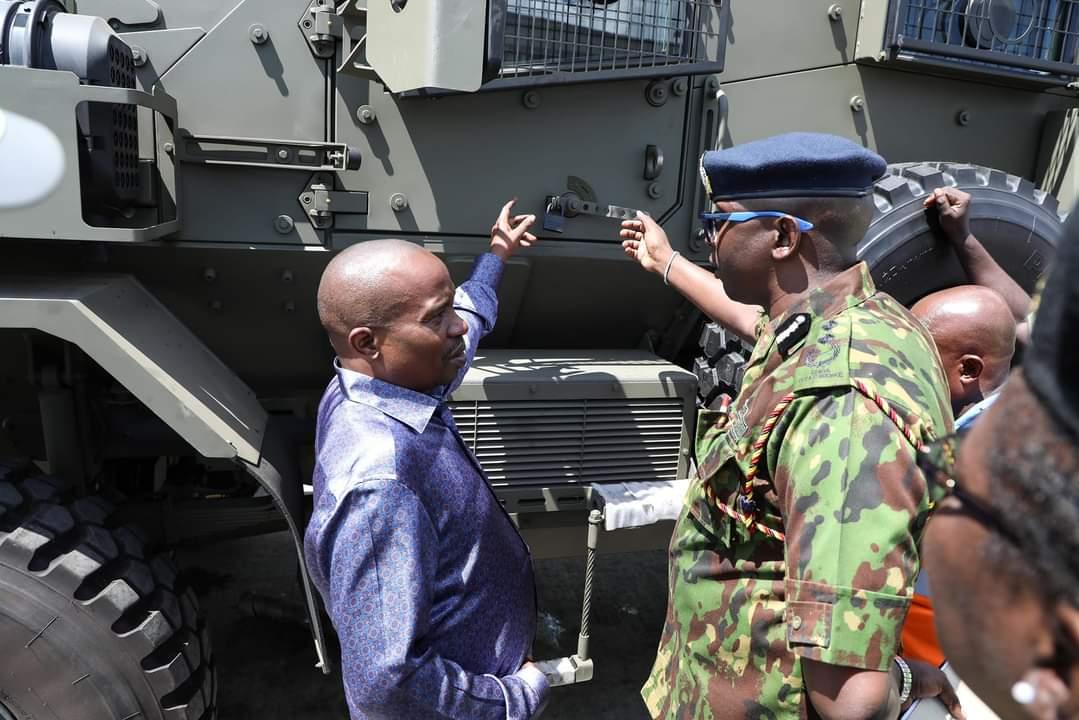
(852,507)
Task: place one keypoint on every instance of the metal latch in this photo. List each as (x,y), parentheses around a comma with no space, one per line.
(267,153)
(320,202)
(569,204)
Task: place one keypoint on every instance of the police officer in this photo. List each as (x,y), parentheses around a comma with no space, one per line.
(793,560)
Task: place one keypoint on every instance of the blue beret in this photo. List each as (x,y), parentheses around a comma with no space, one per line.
(791,165)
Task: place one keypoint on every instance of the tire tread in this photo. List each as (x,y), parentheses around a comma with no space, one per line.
(71,548)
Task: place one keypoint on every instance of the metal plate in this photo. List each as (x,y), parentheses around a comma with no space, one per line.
(427,43)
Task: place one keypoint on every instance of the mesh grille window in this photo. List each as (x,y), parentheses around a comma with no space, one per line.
(1036,36)
(564,40)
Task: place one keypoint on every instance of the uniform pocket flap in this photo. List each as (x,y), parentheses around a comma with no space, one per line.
(809,623)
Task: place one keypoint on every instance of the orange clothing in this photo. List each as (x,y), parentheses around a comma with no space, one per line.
(919,639)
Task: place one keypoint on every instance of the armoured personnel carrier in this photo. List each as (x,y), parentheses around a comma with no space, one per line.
(176,174)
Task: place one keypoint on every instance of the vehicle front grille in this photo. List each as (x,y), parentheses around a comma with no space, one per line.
(574,441)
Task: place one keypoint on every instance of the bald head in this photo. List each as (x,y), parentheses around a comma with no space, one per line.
(975,333)
(368,284)
(388,308)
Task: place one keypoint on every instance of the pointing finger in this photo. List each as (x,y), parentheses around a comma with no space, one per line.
(504,216)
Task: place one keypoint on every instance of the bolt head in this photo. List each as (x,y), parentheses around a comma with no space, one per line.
(286,276)
(138,56)
(366,114)
(168,148)
(282,154)
(963,117)
(655,191)
(258,34)
(680,86)
(398,202)
(857,103)
(284,224)
(531,99)
(209,274)
(217,306)
(835,12)
(289,306)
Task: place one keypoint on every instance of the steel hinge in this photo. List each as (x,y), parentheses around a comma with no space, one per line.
(322,28)
(321,202)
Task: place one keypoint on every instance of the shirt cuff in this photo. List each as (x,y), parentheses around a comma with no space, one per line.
(842,625)
(536,684)
(488,270)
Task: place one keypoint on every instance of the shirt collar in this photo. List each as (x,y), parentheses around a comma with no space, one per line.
(968,415)
(847,289)
(407,406)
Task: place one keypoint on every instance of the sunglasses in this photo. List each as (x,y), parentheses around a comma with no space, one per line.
(937,462)
(713,220)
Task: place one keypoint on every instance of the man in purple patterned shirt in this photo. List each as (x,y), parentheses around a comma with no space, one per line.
(427,580)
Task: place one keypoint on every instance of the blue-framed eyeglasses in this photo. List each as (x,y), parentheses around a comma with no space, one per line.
(712,220)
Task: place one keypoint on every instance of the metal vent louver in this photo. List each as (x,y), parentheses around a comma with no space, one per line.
(573,441)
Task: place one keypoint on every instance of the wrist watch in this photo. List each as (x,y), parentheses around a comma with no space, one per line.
(908,680)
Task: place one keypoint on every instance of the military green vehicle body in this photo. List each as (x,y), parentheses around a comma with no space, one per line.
(160,338)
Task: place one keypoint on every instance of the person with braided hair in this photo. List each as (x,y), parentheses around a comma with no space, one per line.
(793,560)
(1002,550)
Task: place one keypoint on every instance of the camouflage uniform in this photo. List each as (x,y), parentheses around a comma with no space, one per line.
(836,475)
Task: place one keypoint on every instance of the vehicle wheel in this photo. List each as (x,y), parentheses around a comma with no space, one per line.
(721,364)
(91,625)
(1019,225)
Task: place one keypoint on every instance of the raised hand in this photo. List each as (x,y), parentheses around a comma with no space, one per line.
(646,242)
(953,209)
(510,232)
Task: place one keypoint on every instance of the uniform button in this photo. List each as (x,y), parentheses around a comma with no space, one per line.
(796,622)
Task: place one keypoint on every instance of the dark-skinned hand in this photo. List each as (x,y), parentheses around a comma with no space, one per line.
(953,209)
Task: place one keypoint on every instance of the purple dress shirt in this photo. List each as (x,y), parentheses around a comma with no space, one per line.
(427,580)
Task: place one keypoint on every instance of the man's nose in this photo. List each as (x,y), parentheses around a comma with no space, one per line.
(460,327)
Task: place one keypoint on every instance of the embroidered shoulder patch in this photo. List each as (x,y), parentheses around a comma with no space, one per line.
(792,332)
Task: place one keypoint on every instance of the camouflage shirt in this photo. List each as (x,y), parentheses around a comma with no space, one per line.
(836,475)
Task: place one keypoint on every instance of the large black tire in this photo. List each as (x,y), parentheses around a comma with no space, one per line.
(91,626)
(1019,225)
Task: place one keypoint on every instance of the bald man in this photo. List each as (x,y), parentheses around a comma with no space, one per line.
(974,330)
(426,579)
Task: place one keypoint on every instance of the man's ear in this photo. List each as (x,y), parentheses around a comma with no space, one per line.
(364,343)
(788,237)
(970,368)
(1068,616)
